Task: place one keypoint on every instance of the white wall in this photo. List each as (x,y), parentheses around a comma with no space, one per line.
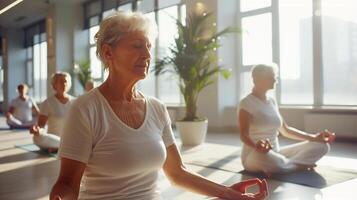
(14,68)
(70,40)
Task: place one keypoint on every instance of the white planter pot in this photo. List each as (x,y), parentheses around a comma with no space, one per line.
(192,133)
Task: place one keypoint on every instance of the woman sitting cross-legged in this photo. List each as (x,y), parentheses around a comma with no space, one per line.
(22,108)
(260,123)
(116,139)
(52,112)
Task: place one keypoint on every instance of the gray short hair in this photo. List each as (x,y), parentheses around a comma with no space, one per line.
(263,69)
(115,26)
(57,74)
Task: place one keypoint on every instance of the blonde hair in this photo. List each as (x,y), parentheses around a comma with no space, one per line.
(65,74)
(263,69)
(115,26)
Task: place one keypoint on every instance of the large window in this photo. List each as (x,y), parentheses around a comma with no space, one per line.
(339,52)
(162,12)
(36,61)
(1,73)
(314,43)
(256,44)
(1,78)
(296,63)
(168,87)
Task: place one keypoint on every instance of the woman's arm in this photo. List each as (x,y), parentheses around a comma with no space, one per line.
(262,146)
(294,133)
(244,124)
(69,179)
(10,111)
(41,122)
(35,108)
(179,175)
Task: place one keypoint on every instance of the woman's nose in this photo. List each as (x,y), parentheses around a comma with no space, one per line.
(146,53)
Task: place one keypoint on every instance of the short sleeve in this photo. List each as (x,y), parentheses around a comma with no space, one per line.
(246,105)
(167,133)
(12,103)
(45,108)
(77,136)
(273,101)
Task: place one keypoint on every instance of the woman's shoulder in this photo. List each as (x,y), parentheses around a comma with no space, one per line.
(247,99)
(155,104)
(86,100)
(154,101)
(50,99)
(272,100)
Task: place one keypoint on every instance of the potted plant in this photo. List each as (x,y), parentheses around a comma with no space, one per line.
(193,58)
(83,72)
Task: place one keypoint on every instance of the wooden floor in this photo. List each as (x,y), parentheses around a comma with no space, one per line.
(26,175)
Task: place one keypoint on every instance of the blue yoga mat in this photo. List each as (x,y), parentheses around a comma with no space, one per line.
(35,149)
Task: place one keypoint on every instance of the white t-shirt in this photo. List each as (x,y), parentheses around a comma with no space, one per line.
(121,162)
(22,109)
(265,121)
(55,111)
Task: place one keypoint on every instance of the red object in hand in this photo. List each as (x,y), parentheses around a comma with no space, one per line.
(244,185)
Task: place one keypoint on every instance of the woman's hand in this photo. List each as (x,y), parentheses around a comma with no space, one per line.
(263,146)
(57,198)
(325,136)
(35,129)
(238,190)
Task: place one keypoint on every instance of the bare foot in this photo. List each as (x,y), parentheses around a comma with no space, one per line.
(306,167)
(267,174)
(52,150)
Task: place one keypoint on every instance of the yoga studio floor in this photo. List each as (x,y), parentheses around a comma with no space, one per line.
(27,174)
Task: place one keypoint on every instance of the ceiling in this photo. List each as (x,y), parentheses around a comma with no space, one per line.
(26,12)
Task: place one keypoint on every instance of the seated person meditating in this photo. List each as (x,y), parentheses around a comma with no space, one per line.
(22,108)
(260,124)
(116,139)
(52,112)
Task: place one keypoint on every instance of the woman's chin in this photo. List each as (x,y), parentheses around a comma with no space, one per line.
(141,74)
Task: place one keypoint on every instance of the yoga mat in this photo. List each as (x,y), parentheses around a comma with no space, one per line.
(321,177)
(35,149)
(227,158)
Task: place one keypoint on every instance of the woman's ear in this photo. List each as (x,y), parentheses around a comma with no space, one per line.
(107,52)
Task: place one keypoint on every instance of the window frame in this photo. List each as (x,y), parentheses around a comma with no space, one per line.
(318,79)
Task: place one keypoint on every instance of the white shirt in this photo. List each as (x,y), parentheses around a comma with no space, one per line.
(121,162)
(22,109)
(265,121)
(55,111)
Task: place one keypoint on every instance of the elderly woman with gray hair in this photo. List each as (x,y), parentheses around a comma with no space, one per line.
(260,123)
(116,139)
(52,113)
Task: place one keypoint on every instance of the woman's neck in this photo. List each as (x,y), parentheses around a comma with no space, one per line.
(23,97)
(60,95)
(118,89)
(261,94)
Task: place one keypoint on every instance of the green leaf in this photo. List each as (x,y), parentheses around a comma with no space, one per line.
(193,58)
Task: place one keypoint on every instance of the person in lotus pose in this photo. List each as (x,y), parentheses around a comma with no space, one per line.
(52,112)
(22,108)
(260,123)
